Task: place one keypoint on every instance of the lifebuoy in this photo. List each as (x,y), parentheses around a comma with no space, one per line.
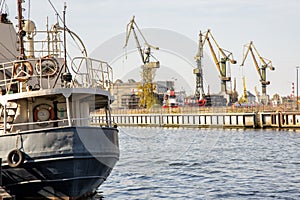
(15,158)
(47,67)
(22,71)
(43,112)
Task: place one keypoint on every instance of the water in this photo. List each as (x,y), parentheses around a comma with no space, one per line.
(160,163)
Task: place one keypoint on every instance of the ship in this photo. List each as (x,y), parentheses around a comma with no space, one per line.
(170,99)
(50,148)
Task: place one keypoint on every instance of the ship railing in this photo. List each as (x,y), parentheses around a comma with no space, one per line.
(44,42)
(90,72)
(52,124)
(5,76)
(14,125)
(87,73)
(16,75)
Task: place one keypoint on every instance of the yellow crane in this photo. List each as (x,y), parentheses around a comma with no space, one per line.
(146,89)
(226,56)
(244,98)
(265,63)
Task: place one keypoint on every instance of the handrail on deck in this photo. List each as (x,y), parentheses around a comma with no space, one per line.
(87,72)
(92,72)
(75,121)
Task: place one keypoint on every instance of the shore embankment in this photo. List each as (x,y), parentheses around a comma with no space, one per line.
(204,117)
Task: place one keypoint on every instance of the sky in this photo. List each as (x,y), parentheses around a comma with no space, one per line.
(273,26)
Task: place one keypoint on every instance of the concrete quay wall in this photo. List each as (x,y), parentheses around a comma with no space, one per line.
(266,119)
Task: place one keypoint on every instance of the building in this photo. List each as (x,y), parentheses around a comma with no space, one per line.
(126,93)
(163,86)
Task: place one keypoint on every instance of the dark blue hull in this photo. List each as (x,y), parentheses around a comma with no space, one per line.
(66,163)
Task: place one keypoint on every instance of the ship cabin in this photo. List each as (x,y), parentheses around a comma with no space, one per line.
(41,91)
(37,97)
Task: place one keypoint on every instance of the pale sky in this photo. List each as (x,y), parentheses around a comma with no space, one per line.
(273,26)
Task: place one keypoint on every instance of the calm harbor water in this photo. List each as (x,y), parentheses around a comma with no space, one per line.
(158,163)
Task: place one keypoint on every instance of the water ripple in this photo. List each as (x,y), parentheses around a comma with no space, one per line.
(206,164)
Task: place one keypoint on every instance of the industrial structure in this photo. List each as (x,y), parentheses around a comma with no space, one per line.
(146,88)
(265,63)
(200,97)
(221,64)
(147,94)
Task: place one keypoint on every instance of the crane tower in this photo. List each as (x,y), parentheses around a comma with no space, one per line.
(146,93)
(199,92)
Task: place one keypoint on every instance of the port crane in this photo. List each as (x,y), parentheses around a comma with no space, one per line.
(226,56)
(200,97)
(146,95)
(244,98)
(262,71)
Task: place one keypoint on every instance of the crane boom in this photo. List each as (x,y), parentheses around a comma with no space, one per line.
(130,27)
(256,64)
(214,57)
(145,54)
(263,60)
(222,51)
(253,57)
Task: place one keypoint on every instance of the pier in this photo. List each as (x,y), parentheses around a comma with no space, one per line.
(183,120)
(205,118)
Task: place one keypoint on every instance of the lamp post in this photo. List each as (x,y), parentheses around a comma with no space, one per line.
(297,106)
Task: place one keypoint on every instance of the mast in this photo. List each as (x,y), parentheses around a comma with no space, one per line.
(65,37)
(66,76)
(21,32)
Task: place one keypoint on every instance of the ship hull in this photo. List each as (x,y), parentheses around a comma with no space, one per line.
(60,163)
